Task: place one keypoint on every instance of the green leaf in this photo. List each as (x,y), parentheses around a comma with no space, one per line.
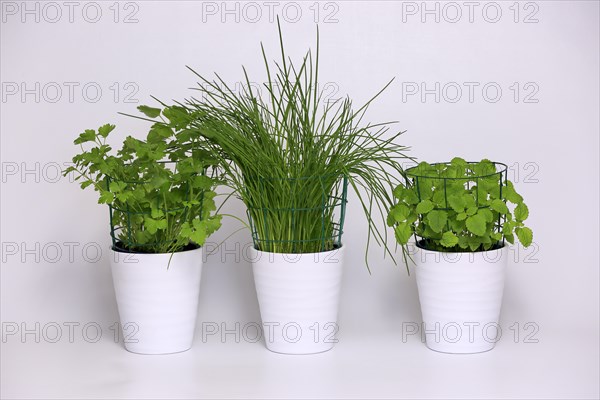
(473,242)
(116,186)
(410,197)
(525,236)
(157,213)
(403,233)
(458,162)
(152,225)
(390,221)
(85,184)
(461,216)
(449,239)
(424,206)
(510,194)
(436,219)
(499,206)
(89,135)
(472,210)
(510,238)
(487,215)
(476,224)
(439,198)
(150,112)
(159,132)
(398,192)
(177,116)
(457,225)
(104,130)
(400,212)
(458,203)
(521,212)
(106,197)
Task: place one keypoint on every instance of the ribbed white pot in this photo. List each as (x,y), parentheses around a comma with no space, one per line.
(461,297)
(298,295)
(157,305)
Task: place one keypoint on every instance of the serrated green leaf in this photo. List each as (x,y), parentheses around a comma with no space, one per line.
(104,130)
(510,238)
(403,232)
(473,242)
(410,197)
(510,194)
(525,236)
(472,210)
(487,215)
(398,192)
(457,225)
(499,206)
(458,203)
(89,135)
(461,216)
(436,219)
(106,197)
(400,212)
(449,239)
(157,213)
(521,212)
(116,186)
(424,206)
(476,224)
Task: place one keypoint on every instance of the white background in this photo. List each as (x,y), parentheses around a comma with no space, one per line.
(550,140)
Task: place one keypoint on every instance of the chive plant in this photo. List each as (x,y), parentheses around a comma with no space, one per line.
(289,153)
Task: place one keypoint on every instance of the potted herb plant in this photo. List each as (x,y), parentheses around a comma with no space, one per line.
(161,211)
(291,157)
(459,214)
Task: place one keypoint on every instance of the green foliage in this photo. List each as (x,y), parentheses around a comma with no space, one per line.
(160,198)
(459,206)
(286,152)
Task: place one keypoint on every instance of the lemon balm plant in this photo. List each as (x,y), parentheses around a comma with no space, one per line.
(459,206)
(291,157)
(161,203)
(460,216)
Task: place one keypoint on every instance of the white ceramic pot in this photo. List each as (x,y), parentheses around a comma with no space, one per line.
(298,295)
(157,305)
(461,297)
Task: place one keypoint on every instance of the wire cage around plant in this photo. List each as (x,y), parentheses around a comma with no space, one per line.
(296,215)
(455,186)
(144,220)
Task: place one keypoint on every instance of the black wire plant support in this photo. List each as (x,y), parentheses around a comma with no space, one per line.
(471,180)
(308,219)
